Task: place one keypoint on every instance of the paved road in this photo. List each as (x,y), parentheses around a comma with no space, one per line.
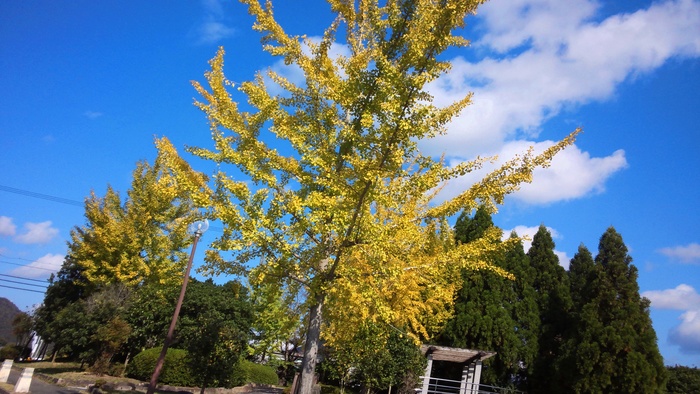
(39,386)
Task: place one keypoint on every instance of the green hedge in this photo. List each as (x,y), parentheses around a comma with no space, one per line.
(257,373)
(175,370)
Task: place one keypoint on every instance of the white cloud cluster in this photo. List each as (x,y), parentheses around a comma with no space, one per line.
(573,174)
(7,227)
(213,28)
(37,233)
(685,298)
(687,254)
(547,55)
(42,267)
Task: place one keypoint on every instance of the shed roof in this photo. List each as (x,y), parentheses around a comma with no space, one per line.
(456,355)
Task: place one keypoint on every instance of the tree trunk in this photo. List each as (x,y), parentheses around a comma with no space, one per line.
(126,363)
(313,340)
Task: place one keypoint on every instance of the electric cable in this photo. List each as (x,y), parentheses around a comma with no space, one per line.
(41,196)
(19,288)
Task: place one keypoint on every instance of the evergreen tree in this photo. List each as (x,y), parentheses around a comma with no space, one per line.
(524,310)
(615,344)
(683,380)
(483,318)
(554,301)
(581,275)
(215,329)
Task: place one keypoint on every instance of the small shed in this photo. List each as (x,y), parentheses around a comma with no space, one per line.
(471,372)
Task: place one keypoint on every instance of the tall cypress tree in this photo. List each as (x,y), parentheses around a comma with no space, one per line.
(554,300)
(580,350)
(581,275)
(483,318)
(524,311)
(615,344)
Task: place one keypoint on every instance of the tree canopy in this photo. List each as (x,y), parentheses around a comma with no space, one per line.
(325,175)
(141,239)
(614,345)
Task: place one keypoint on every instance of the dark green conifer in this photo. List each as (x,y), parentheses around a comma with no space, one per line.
(524,311)
(554,301)
(483,317)
(614,346)
(581,275)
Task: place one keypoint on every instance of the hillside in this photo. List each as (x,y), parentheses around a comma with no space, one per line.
(8,311)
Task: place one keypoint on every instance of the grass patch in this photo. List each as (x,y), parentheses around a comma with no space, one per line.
(49,368)
(71,373)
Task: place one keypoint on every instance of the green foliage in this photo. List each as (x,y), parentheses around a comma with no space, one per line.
(483,309)
(683,380)
(258,373)
(149,313)
(554,303)
(175,371)
(10,352)
(379,357)
(215,328)
(524,310)
(613,347)
(109,338)
(65,289)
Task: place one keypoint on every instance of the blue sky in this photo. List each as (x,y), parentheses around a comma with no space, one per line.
(86,86)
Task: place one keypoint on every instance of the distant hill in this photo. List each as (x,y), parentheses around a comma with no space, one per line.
(8,311)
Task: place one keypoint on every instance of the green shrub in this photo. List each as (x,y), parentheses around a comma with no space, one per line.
(175,369)
(9,352)
(257,373)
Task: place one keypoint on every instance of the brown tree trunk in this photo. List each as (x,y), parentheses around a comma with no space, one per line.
(313,340)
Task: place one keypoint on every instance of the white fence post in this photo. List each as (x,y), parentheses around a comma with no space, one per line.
(426,378)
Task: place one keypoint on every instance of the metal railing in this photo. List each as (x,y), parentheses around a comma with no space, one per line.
(447,386)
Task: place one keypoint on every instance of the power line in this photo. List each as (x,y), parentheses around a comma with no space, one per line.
(16,258)
(41,196)
(19,288)
(29,266)
(19,277)
(21,283)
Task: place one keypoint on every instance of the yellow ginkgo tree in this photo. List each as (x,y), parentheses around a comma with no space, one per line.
(321,186)
(142,238)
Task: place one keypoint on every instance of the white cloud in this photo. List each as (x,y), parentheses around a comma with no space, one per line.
(213,28)
(42,267)
(686,335)
(686,254)
(211,32)
(573,174)
(37,233)
(7,228)
(548,55)
(683,297)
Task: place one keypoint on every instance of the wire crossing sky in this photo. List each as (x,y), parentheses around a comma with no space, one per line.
(87,86)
